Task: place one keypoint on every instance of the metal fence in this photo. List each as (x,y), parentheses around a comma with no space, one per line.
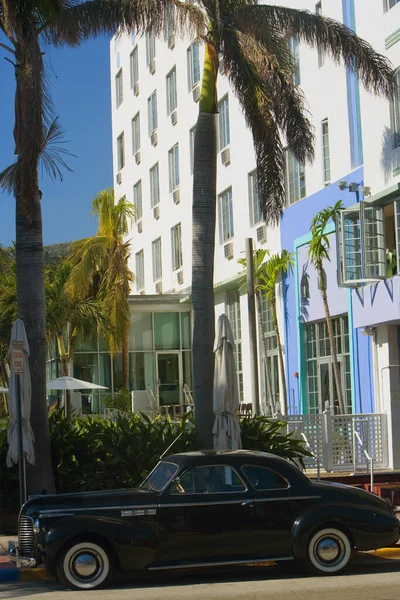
(333,441)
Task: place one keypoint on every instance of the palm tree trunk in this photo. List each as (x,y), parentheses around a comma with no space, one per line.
(265,354)
(125,360)
(28,134)
(335,363)
(204,218)
(280,354)
(64,360)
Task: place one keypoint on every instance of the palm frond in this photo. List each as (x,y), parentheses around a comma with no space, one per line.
(252,93)
(329,36)
(52,152)
(80,21)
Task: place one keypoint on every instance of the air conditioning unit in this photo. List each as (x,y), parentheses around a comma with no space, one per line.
(142,292)
(226,157)
(159,287)
(136,89)
(171,41)
(176,196)
(228,251)
(156,212)
(196,93)
(153,138)
(174,117)
(221,66)
(152,66)
(137,157)
(140,226)
(261,234)
(119,177)
(179,277)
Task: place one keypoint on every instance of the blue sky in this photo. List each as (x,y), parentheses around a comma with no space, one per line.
(80,87)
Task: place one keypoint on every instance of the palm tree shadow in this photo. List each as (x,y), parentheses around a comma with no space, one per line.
(390,155)
(304,294)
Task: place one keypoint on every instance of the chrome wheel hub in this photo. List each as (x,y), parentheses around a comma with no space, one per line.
(329,550)
(86,565)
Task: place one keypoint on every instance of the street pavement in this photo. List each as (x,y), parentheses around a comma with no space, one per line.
(368,577)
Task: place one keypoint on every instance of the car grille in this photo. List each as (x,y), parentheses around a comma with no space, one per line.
(26,536)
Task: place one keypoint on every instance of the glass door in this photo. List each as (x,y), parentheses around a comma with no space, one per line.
(168,378)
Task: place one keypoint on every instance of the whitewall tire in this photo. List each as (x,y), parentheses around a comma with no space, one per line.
(328,551)
(84,566)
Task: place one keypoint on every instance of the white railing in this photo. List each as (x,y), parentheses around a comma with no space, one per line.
(370,460)
(187,395)
(114,413)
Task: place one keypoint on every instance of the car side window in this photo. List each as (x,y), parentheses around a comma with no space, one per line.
(212,479)
(262,478)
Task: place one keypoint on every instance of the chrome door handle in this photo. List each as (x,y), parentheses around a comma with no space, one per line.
(247,502)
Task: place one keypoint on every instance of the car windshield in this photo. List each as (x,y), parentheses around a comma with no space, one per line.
(160,476)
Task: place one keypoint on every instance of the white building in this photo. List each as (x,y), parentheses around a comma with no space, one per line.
(155,89)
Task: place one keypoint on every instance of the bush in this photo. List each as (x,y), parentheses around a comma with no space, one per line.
(94,454)
(120,401)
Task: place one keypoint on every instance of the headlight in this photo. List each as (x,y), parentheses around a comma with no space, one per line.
(36,527)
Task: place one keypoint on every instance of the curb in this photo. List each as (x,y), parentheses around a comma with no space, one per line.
(390,553)
(9,574)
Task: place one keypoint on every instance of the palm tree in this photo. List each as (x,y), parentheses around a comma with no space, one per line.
(252,42)
(318,251)
(27,27)
(273,269)
(100,269)
(69,318)
(258,260)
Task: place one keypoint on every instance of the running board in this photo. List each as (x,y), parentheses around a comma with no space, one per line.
(219,563)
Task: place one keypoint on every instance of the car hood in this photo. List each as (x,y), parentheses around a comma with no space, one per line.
(82,501)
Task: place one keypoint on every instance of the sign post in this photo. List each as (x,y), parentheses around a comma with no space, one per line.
(17,369)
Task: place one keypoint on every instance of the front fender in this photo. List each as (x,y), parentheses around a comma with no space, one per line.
(134,543)
(366,528)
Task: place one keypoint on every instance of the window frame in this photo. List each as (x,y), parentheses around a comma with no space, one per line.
(321,55)
(154,189)
(224,134)
(140,273)
(139,204)
(172,91)
(326,151)
(134,66)
(234,314)
(274,489)
(156,253)
(135,125)
(193,65)
(192,134)
(389,4)
(209,493)
(119,88)
(299,175)
(226,225)
(152,111)
(176,247)
(150,47)
(121,151)
(173,167)
(254,206)
(293,45)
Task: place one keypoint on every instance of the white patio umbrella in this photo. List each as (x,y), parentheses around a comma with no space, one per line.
(70,383)
(226,430)
(18,334)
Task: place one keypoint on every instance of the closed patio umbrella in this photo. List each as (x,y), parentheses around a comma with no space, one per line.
(226,430)
(18,334)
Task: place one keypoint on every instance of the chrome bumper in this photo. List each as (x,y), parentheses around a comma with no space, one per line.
(21,561)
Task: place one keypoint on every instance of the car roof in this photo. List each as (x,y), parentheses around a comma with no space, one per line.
(202,457)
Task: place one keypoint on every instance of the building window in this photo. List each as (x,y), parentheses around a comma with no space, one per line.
(226,231)
(121,151)
(321,388)
(172,100)
(176,245)
(192,134)
(388,4)
(272,353)
(150,48)
(254,199)
(157,259)
(233,312)
(321,56)
(152,110)
(295,179)
(193,65)
(154,186)
(134,67)
(137,199)
(223,123)
(326,152)
(136,133)
(119,88)
(396,112)
(139,276)
(293,44)
(173,162)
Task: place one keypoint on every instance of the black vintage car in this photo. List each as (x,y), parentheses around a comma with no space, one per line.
(200,509)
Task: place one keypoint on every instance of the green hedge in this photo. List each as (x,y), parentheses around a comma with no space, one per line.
(93,454)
